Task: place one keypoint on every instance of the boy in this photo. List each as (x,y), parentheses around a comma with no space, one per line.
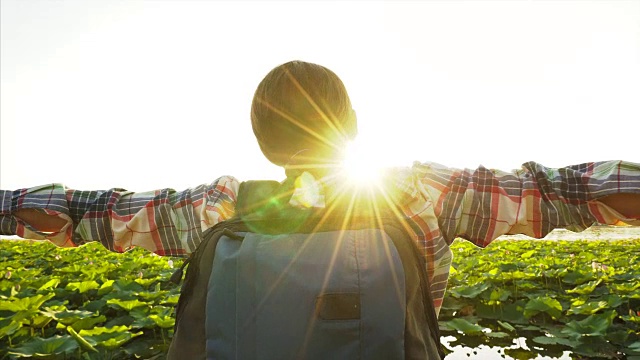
(302,119)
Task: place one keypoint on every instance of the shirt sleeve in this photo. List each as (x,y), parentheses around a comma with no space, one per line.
(166,222)
(480,205)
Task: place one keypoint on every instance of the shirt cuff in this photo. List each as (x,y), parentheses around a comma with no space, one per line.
(7,221)
(5,202)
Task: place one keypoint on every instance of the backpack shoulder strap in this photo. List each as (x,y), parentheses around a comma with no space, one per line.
(189,330)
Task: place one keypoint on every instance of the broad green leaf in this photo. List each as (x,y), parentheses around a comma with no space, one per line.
(126,304)
(27,303)
(528,286)
(515,275)
(585,289)
(146,282)
(5,285)
(556,273)
(83,286)
(508,267)
(594,348)
(152,295)
(51,284)
(163,321)
(163,310)
(497,334)
(171,300)
(123,285)
(506,325)
(578,302)
(95,305)
(624,277)
(106,287)
(616,335)
(142,319)
(549,340)
(469,291)
(529,328)
(68,317)
(578,277)
(143,348)
(451,303)
(613,300)
(81,341)
(139,312)
(498,294)
(103,330)
(56,345)
(464,326)
(543,305)
(71,269)
(593,325)
(509,312)
(634,294)
(625,287)
(10,329)
(25,316)
(88,323)
(40,320)
(109,338)
(125,320)
(588,308)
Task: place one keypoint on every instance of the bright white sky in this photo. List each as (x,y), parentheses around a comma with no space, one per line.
(146,95)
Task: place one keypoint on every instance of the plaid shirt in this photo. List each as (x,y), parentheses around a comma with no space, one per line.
(441,203)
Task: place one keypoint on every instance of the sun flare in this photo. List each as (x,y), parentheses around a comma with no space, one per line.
(361,164)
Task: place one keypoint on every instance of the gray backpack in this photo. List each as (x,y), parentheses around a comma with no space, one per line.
(278,282)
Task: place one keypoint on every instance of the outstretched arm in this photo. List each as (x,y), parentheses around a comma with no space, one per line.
(482,204)
(165,221)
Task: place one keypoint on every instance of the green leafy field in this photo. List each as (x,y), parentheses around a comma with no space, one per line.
(578,296)
(85,302)
(88,303)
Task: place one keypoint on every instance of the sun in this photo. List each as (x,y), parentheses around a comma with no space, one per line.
(361,164)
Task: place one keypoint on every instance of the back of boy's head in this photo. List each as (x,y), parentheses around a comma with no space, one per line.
(302,108)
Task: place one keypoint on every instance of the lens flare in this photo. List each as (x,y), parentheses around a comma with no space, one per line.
(362,165)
